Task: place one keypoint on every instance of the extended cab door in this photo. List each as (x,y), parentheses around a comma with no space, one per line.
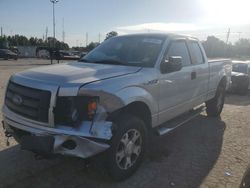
(177,89)
(200,70)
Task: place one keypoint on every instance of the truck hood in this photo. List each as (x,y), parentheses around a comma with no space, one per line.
(75,74)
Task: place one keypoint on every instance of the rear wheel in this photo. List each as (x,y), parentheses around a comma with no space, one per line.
(127,147)
(215,105)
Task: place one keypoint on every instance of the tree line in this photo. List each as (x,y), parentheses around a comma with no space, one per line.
(214,47)
(20,40)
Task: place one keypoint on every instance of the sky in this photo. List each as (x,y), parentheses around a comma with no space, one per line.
(194,17)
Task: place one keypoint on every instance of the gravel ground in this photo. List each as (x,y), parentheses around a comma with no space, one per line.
(206,152)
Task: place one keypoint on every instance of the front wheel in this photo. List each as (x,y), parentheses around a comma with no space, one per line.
(215,105)
(127,147)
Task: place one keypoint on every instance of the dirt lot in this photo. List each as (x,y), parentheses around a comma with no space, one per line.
(207,152)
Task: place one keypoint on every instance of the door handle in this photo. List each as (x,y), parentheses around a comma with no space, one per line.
(193,75)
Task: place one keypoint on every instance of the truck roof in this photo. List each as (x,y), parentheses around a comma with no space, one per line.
(171,35)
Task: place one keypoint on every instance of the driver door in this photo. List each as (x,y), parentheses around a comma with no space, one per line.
(176,88)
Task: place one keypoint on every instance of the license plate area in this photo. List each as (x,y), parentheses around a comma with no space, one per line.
(38,144)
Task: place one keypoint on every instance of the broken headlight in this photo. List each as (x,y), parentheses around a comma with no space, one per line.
(73,110)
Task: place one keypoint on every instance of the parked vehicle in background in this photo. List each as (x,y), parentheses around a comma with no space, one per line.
(43,53)
(7,54)
(245,183)
(75,53)
(83,54)
(240,77)
(112,99)
(67,55)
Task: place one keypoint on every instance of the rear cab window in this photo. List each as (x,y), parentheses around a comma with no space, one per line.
(196,53)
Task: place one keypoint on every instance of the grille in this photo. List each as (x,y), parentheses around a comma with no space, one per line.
(28,102)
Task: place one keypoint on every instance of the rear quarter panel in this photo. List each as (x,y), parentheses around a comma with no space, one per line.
(218,69)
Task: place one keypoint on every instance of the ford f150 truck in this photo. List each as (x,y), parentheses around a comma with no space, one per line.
(114,98)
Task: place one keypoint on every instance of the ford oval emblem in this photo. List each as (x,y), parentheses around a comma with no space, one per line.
(17,99)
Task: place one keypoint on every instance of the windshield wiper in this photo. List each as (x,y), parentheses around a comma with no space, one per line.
(110,61)
(104,61)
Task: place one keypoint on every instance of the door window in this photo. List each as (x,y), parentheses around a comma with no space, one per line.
(179,48)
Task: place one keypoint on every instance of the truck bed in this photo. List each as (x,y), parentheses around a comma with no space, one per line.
(219,60)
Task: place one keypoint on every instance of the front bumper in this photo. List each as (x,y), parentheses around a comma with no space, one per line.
(84,136)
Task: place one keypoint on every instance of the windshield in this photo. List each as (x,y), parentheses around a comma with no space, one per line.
(240,67)
(127,50)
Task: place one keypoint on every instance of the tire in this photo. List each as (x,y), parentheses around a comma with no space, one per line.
(215,105)
(127,147)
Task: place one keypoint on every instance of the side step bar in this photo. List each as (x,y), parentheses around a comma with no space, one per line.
(179,121)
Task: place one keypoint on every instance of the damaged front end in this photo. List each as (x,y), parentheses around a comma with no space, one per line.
(80,128)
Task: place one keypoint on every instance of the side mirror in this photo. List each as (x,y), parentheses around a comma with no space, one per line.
(173,64)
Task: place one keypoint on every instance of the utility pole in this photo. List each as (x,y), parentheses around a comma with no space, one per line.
(87,39)
(1,31)
(54,24)
(63,33)
(99,38)
(46,34)
(239,34)
(228,35)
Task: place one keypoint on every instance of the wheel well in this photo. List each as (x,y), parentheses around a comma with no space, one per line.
(138,109)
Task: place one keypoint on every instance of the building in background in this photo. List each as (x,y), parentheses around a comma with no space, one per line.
(27,51)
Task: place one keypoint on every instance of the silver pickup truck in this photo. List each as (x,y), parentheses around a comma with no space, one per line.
(114,98)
